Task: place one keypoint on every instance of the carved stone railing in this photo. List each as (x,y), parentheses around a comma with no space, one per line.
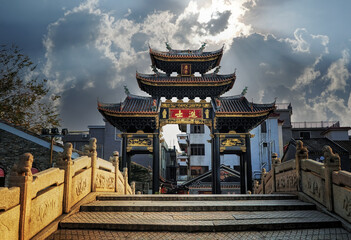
(32,202)
(324,182)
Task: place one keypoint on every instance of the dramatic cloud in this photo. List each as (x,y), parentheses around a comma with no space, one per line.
(278,48)
(91,54)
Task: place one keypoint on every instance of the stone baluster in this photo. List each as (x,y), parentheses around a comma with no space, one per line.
(115,161)
(125,176)
(263,176)
(331,163)
(275,162)
(301,154)
(90,151)
(21,176)
(65,163)
(133,187)
(256,186)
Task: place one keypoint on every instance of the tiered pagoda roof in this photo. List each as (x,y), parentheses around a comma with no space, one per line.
(143,113)
(238,114)
(172,60)
(208,85)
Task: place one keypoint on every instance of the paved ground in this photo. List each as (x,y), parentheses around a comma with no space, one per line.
(198,217)
(176,206)
(326,233)
(199,221)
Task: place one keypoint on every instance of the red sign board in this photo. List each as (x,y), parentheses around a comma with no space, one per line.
(185,113)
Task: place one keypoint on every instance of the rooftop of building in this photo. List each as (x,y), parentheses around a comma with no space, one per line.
(132,104)
(195,53)
(205,78)
(239,104)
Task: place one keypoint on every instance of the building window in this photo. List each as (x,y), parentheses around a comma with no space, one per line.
(183,170)
(305,135)
(264,127)
(197,149)
(195,128)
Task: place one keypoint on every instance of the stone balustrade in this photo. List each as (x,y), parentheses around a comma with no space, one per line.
(32,202)
(324,182)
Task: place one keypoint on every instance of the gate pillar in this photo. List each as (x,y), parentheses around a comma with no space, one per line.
(248,163)
(216,181)
(156,164)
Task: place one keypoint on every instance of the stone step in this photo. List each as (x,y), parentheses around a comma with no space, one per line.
(177,197)
(186,206)
(200,221)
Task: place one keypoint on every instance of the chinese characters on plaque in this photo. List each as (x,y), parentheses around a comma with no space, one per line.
(185,113)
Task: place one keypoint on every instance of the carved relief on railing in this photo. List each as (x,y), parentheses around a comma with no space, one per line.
(346,205)
(286,182)
(81,186)
(105,182)
(342,194)
(342,201)
(314,186)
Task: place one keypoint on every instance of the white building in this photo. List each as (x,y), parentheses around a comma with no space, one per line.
(195,144)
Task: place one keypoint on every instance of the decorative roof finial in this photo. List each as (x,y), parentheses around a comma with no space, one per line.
(154,69)
(126,90)
(244,91)
(168,46)
(202,47)
(217,70)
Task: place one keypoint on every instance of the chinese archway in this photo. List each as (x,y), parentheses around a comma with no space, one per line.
(230,119)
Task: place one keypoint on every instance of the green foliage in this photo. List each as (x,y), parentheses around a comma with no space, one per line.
(25,99)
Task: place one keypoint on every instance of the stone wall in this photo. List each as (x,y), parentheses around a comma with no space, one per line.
(13,146)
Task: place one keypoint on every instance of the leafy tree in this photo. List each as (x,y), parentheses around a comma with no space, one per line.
(24,99)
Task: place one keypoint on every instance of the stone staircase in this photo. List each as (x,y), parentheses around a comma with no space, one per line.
(198,213)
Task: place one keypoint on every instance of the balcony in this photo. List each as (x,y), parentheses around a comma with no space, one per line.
(182,160)
(321,124)
(183,141)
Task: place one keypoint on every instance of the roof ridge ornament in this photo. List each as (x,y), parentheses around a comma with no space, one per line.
(168,46)
(126,90)
(154,69)
(201,49)
(217,70)
(244,91)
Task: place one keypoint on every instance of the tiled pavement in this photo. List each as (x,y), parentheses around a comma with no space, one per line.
(202,219)
(238,205)
(197,221)
(325,233)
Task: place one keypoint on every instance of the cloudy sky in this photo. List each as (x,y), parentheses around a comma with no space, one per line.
(294,50)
